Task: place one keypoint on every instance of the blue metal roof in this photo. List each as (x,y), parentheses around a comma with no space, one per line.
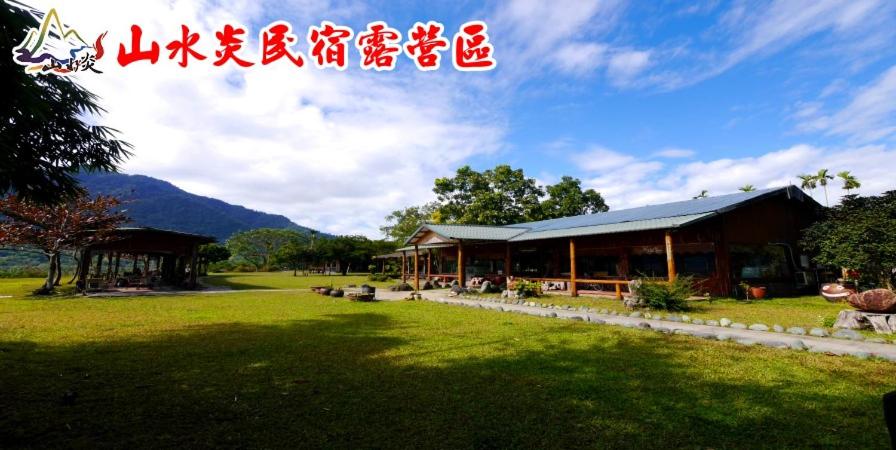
(666,215)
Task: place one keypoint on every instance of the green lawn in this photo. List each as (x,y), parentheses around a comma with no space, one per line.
(285,280)
(292,369)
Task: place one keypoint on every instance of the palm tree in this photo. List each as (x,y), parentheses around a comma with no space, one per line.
(822,179)
(747,188)
(850,182)
(703,194)
(809,182)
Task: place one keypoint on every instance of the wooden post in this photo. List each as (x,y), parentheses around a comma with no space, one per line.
(99,265)
(404,266)
(428,264)
(194,255)
(573,289)
(507,263)
(460,264)
(416,268)
(670,256)
(117,263)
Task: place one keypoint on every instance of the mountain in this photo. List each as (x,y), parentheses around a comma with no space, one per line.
(151,202)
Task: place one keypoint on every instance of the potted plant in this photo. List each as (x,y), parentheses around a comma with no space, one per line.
(758,292)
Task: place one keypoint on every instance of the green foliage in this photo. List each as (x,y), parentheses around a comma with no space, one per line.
(47,126)
(259,247)
(379,277)
(566,198)
(526,289)
(401,223)
(858,234)
(214,252)
(827,321)
(669,296)
(498,196)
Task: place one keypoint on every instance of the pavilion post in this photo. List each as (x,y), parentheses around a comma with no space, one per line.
(117,263)
(193,257)
(460,264)
(99,265)
(428,264)
(573,289)
(507,263)
(134,268)
(416,268)
(404,266)
(109,268)
(670,256)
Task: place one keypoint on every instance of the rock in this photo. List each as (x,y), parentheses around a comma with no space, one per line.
(848,334)
(759,327)
(725,322)
(875,300)
(685,318)
(578,318)
(552,314)
(819,332)
(662,329)
(723,337)
(777,328)
(860,355)
(745,341)
(739,326)
(673,318)
(796,330)
(876,340)
(597,321)
(644,325)
(705,335)
(797,345)
(697,322)
(604,311)
(682,332)
(635,314)
(712,323)
(485,287)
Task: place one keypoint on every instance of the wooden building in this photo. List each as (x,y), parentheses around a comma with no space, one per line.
(141,258)
(721,241)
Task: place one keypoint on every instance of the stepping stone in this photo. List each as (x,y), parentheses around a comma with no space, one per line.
(819,332)
(644,325)
(848,334)
(725,322)
(685,318)
(797,345)
(552,314)
(796,330)
(673,318)
(759,327)
(775,344)
(697,322)
(723,337)
(777,328)
(712,323)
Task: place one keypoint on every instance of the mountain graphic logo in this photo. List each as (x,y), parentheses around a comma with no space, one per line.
(55,48)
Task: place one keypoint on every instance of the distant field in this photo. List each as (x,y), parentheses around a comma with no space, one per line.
(293,369)
(285,280)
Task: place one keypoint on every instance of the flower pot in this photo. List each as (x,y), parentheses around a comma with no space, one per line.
(757,292)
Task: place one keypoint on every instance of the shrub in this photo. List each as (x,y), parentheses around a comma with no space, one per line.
(669,296)
(525,289)
(378,277)
(24,272)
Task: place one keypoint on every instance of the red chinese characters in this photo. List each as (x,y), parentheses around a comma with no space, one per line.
(379,46)
(329,45)
(275,40)
(425,44)
(472,51)
(126,57)
(231,41)
(185,47)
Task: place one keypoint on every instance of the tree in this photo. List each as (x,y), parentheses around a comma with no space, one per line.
(214,252)
(747,188)
(703,194)
(566,198)
(850,182)
(47,133)
(858,234)
(296,255)
(808,182)
(347,251)
(401,223)
(56,228)
(498,196)
(258,246)
(822,179)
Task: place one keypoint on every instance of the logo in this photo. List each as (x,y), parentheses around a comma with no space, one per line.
(57,49)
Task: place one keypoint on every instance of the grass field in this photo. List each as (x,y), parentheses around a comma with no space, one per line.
(285,280)
(293,369)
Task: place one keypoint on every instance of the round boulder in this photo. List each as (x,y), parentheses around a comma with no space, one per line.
(875,300)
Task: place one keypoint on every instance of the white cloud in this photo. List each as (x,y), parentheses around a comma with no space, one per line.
(642,182)
(870,115)
(625,65)
(336,151)
(673,152)
(580,57)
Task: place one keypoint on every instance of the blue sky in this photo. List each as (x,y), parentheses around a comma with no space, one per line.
(645,101)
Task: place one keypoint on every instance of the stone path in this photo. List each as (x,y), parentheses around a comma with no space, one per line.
(859,349)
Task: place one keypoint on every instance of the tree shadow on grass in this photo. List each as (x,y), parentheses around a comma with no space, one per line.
(342,382)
